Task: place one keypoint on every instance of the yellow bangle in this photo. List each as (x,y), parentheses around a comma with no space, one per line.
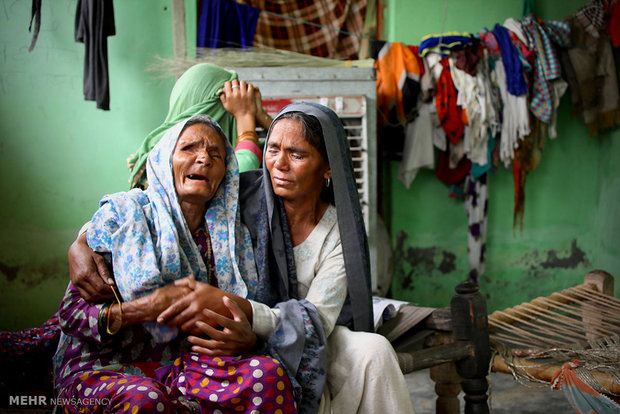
(248,136)
(114,329)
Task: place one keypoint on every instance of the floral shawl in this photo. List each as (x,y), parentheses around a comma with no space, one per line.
(145,233)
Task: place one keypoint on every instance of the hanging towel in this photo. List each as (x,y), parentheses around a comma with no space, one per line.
(226,23)
(94,22)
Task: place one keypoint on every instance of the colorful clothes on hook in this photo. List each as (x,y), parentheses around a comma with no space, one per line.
(540,36)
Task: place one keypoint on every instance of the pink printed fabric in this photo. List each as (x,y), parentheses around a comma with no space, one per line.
(243,384)
(322,37)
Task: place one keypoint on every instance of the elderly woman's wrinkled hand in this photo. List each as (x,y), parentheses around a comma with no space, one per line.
(234,337)
(186,311)
(161,299)
(238,99)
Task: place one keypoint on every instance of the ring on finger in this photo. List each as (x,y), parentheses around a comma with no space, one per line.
(234,86)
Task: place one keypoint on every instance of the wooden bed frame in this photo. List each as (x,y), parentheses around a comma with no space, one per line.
(455,343)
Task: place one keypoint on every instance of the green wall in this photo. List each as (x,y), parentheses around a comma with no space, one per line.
(571,222)
(58,153)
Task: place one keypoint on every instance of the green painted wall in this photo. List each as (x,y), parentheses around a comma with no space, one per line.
(58,153)
(571,222)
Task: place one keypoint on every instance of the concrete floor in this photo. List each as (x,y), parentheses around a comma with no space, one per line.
(506,396)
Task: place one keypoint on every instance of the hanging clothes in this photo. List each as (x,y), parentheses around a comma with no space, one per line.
(226,23)
(94,22)
(444,43)
(35,16)
(418,151)
(398,80)
(540,36)
(450,113)
(591,73)
(476,194)
(475,95)
(512,64)
(516,118)
(527,158)
(325,28)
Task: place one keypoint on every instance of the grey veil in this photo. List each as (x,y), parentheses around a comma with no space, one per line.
(303,351)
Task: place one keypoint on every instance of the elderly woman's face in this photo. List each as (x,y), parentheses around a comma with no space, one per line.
(297,169)
(198,164)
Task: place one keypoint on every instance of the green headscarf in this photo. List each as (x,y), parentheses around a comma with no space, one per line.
(194,93)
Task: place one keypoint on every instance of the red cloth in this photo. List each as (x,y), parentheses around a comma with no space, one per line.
(450,114)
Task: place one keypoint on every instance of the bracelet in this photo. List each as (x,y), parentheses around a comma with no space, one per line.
(114,330)
(248,136)
(102,317)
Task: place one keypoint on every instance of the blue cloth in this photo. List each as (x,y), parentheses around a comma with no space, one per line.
(515,82)
(150,244)
(226,23)
(444,43)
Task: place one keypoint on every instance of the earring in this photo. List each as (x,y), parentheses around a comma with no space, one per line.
(328,182)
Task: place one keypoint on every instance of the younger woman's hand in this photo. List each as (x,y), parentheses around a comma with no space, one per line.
(238,99)
(234,338)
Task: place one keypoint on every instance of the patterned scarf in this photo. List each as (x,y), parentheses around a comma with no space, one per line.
(150,244)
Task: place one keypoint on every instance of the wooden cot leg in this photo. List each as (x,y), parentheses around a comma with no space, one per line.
(470,324)
(447,380)
(447,388)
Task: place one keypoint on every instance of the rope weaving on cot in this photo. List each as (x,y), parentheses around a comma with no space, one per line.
(577,324)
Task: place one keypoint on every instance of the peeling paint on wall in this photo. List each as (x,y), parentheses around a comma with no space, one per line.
(570,258)
(34,275)
(414,262)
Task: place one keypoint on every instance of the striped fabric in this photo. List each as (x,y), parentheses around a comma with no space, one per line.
(310,26)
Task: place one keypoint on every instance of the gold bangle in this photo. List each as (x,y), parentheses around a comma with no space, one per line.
(248,136)
(114,330)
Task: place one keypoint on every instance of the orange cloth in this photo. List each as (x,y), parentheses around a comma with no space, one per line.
(395,63)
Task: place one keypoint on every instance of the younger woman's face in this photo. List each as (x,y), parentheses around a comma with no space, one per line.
(198,164)
(298,170)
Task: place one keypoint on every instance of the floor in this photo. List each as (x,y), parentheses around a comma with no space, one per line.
(506,396)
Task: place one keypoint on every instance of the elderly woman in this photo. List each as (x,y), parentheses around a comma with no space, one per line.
(186,224)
